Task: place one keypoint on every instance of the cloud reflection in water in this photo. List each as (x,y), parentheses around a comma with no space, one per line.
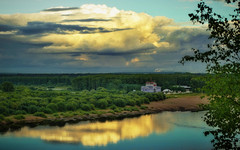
(101,133)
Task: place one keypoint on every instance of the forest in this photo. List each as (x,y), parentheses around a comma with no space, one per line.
(127,82)
(22,95)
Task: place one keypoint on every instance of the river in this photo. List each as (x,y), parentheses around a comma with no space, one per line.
(166,130)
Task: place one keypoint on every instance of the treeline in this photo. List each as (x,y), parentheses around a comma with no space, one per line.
(129,82)
(26,101)
(37,79)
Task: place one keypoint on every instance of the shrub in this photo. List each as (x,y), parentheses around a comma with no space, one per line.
(71,106)
(1,117)
(118,110)
(119,102)
(138,102)
(111,111)
(40,114)
(85,107)
(47,110)
(135,108)
(32,109)
(145,100)
(18,112)
(52,107)
(131,102)
(143,107)
(4,110)
(7,87)
(102,103)
(56,115)
(19,117)
(113,107)
(61,106)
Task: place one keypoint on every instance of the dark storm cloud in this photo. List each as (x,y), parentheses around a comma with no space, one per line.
(88,20)
(186,39)
(6,28)
(14,53)
(61,9)
(11,46)
(108,52)
(46,27)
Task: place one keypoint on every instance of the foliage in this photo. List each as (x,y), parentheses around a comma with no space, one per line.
(27,101)
(40,114)
(79,82)
(7,87)
(143,107)
(2,117)
(223,66)
(19,117)
(130,82)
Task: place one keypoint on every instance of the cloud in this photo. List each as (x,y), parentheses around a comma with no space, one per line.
(60,8)
(48,27)
(134,60)
(96,36)
(88,20)
(71,32)
(101,133)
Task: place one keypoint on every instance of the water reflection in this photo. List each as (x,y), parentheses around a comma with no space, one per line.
(101,133)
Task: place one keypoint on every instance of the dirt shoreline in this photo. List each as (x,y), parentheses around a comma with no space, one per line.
(188,103)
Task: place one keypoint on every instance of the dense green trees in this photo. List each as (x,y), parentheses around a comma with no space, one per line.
(27,101)
(223,66)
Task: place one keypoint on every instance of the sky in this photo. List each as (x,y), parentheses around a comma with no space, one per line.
(100,36)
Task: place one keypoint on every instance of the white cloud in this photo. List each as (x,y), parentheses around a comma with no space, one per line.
(137,39)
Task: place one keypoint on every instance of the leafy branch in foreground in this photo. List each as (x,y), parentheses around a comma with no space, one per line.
(223,65)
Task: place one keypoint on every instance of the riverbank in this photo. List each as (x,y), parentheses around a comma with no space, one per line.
(187,103)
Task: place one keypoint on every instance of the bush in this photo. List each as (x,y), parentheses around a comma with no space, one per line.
(131,102)
(119,102)
(138,102)
(61,106)
(1,117)
(102,103)
(143,107)
(47,110)
(4,110)
(118,110)
(40,114)
(7,87)
(71,106)
(19,117)
(113,107)
(32,109)
(134,108)
(19,112)
(145,100)
(85,107)
(52,107)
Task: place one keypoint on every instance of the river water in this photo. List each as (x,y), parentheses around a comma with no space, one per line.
(166,130)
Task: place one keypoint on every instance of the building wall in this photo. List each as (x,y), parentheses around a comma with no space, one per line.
(150,89)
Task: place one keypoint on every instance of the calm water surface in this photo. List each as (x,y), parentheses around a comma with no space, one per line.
(167,130)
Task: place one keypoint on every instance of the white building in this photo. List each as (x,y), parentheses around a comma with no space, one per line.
(151,87)
(166,91)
